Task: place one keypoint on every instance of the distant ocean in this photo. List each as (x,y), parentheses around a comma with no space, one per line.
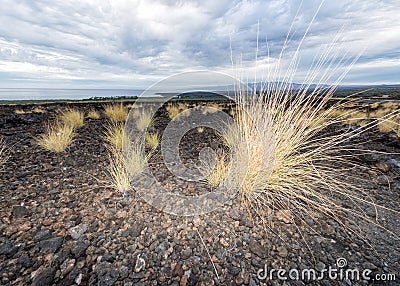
(45,94)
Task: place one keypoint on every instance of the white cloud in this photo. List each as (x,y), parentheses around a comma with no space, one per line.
(132,43)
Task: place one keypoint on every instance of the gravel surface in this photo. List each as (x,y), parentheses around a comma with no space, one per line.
(62,225)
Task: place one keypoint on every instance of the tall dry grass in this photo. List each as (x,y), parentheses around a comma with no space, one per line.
(124,164)
(93,114)
(287,153)
(72,117)
(143,119)
(3,152)
(57,138)
(116,112)
(116,136)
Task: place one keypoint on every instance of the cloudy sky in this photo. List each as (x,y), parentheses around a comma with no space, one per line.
(131,44)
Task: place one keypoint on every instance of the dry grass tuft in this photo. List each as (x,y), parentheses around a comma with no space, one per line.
(218,173)
(173,110)
(287,154)
(57,138)
(116,112)
(387,125)
(93,114)
(200,129)
(20,111)
(153,139)
(144,119)
(73,118)
(135,158)
(125,164)
(119,177)
(3,152)
(116,136)
(39,110)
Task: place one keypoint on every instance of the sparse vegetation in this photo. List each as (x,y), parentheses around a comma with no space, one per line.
(125,164)
(93,114)
(20,111)
(119,180)
(144,119)
(3,152)
(72,117)
(200,129)
(116,136)
(38,110)
(220,171)
(57,137)
(116,112)
(173,110)
(153,139)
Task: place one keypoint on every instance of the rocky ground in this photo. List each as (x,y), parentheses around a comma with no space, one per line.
(62,225)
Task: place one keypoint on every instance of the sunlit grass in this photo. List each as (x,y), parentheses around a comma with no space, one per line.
(72,117)
(219,171)
(119,177)
(116,136)
(143,119)
(125,164)
(93,114)
(20,111)
(116,112)
(39,110)
(57,138)
(153,139)
(3,152)
(173,110)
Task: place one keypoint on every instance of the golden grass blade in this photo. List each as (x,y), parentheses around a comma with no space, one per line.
(57,137)
(3,152)
(73,117)
(116,112)
(116,136)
